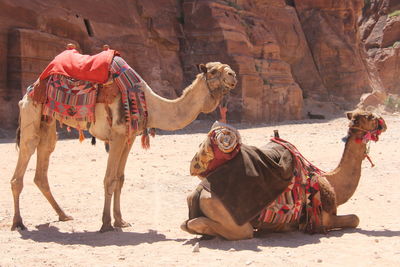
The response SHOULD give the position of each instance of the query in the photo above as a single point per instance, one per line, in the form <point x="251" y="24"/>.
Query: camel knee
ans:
<point x="17" y="185"/>
<point x="110" y="185"/>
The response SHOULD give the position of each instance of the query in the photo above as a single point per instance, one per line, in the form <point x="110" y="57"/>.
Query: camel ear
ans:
<point x="349" y="115"/>
<point x="202" y="68"/>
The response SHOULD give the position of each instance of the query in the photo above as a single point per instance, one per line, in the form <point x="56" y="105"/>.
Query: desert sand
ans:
<point x="154" y="202"/>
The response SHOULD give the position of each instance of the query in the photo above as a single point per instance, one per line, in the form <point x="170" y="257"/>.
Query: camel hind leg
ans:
<point x="111" y="180"/>
<point x="217" y="221"/>
<point x="28" y="139"/>
<point x="48" y="139"/>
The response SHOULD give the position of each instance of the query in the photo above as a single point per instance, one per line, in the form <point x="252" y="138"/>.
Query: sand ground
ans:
<point x="154" y="202"/>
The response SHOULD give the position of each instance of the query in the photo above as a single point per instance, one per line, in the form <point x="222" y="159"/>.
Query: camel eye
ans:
<point x="214" y="71"/>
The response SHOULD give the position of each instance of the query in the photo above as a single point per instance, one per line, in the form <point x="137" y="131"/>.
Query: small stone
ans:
<point x="376" y="241"/>
<point x="249" y="262"/>
<point x="196" y="247"/>
<point x="319" y="260"/>
<point x="232" y="249"/>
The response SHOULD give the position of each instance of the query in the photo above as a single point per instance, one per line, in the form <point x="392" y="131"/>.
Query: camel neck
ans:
<point x="166" y="114"/>
<point x="346" y="176"/>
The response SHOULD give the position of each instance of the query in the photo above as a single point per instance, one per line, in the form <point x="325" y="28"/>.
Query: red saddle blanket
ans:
<point x="72" y="64"/>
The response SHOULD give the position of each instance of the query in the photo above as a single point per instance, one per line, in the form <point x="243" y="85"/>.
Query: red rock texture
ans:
<point x="287" y="54"/>
<point x="380" y="33"/>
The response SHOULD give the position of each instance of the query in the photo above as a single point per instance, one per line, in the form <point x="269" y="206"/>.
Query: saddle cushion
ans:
<point x="72" y="64"/>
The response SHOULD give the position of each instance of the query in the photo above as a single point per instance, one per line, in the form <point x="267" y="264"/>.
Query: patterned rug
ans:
<point x="133" y="98"/>
<point x="70" y="99"/>
<point x="302" y="193"/>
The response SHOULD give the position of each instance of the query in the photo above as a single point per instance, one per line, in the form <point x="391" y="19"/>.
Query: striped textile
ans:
<point x="302" y="197"/>
<point x="71" y="99"/>
<point x="133" y="98"/>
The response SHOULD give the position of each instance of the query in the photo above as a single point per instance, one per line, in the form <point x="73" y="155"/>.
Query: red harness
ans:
<point x="372" y="135"/>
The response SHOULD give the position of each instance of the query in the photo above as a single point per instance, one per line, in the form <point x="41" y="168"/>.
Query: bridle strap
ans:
<point x="220" y="87"/>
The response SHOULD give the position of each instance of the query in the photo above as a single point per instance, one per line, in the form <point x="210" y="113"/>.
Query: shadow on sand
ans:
<point x="285" y="240"/>
<point x="46" y="233"/>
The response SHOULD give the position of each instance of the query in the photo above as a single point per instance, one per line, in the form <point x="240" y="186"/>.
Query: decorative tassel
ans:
<point x="370" y="160"/>
<point x="223" y="110"/>
<point x="69" y="129"/>
<point x="152" y="132"/>
<point x="145" y="140"/>
<point x="81" y="136"/>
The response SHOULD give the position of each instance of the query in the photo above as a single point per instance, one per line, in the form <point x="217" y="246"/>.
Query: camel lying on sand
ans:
<point x="203" y="95"/>
<point x="291" y="194"/>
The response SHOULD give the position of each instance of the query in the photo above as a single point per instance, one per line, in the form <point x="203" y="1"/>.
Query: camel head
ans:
<point x="365" y="125"/>
<point x="219" y="79"/>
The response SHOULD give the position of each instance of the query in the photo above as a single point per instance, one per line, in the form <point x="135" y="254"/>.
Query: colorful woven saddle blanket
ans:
<point x="301" y="200"/>
<point x="71" y="98"/>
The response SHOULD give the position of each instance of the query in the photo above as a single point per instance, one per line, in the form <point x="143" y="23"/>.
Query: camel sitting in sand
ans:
<point x="231" y="207"/>
<point x="203" y="95"/>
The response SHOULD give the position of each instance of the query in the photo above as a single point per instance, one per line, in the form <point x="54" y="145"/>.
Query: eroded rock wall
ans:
<point x="287" y="53"/>
<point x="380" y="33"/>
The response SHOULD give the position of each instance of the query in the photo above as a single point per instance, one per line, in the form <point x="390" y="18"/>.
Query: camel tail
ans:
<point x="18" y="134"/>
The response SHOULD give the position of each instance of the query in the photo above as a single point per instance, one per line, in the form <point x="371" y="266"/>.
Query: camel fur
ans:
<point x="203" y="95"/>
<point x="336" y="187"/>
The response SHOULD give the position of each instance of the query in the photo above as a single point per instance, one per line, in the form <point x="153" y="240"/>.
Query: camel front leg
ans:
<point x="28" y="136"/>
<point x="48" y="139"/>
<point x="118" y="221"/>
<point x="111" y="179"/>
<point x="331" y="221"/>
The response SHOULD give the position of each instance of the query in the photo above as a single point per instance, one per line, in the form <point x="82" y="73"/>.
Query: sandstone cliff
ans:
<point x="291" y="56"/>
<point x="380" y="33"/>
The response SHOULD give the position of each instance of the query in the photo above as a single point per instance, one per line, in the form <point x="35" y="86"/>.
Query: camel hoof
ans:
<point x="108" y="228"/>
<point x="122" y="224"/>
<point x="19" y="226"/>
<point x="65" y="218"/>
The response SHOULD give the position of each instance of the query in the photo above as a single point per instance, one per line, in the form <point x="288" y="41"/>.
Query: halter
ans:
<point x="221" y="88"/>
<point x="372" y="135"/>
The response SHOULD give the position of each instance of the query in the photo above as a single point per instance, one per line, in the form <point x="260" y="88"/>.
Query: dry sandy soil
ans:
<point x="154" y="201"/>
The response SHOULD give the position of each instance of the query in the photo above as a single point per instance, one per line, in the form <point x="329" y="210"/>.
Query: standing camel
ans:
<point x="210" y="216"/>
<point x="203" y="95"/>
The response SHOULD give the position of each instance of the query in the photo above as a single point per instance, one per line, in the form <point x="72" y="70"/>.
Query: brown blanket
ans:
<point x="254" y="178"/>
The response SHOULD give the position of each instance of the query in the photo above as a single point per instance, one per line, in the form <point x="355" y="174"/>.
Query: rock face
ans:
<point x="291" y="56"/>
<point x="380" y="33"/>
